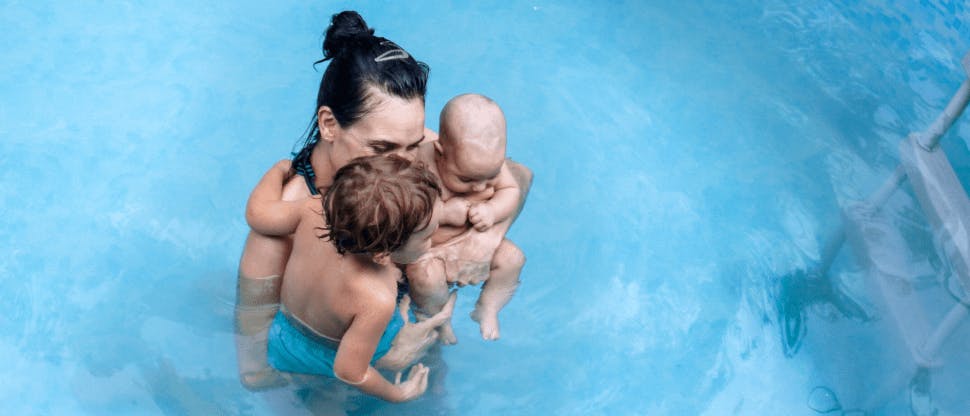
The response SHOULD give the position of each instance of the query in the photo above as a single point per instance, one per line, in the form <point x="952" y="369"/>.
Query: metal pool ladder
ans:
<point x="875" y="242"/>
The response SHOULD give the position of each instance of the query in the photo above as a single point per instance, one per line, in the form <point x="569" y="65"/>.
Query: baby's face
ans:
<point x="420" y="240"/>
<point x="468" y="173"/>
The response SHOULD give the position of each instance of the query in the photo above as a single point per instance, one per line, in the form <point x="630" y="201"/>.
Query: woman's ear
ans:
<point x="327" y="123"/>
<point x="384" y="259"/>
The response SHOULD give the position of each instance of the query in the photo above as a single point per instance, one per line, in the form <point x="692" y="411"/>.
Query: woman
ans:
<point x="370" y="102"/>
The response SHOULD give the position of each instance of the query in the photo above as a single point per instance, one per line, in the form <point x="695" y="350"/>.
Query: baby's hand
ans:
<point x="455" y="211"/>
<point x="481" y="216"/>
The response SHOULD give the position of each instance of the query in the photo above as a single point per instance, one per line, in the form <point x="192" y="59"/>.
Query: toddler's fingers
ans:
<point x="423" y="384"/>
<point x="419" y="376"/>
<point x="416" y="371"/>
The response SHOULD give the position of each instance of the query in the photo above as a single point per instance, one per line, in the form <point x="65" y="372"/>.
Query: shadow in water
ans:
<point x="795" y="292"/>
<point x="823" y="400"/>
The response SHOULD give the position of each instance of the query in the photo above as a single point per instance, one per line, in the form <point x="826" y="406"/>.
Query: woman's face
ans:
<point x="392" y="126"/>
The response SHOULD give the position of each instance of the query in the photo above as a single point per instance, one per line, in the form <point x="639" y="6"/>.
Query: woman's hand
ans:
<point x="411" y="342"/>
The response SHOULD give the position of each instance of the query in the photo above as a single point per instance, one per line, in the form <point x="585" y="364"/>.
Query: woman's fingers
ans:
<point x="444" y="315"/>
<point x="450" y="304"/>
<point x="404" y="307"/>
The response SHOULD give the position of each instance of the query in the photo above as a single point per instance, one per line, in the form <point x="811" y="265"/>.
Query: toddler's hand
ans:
<point x="285" y="166"/>
<point x="455" y="211"/>
<point x="415" y="385"/>
<point x="481" y="216"/>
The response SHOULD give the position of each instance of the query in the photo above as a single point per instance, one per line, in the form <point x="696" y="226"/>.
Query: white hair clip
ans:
<point x="392" y="55"/>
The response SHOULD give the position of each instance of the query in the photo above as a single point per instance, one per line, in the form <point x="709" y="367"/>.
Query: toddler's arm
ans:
<point x="501" y="206"/>
<point x="352" y="362"/>
<point x="266" y="212"/>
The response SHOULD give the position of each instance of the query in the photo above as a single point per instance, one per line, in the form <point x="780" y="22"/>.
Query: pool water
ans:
<point x="690" y="158"/>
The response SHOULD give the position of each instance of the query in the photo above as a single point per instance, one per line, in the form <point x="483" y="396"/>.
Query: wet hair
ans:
<point x="359" y="61"/>
<point x="376" y="203"/>
<point x="355" y="64"/>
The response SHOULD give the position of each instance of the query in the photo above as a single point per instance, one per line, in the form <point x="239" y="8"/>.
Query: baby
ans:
<point x="480" y="191"/>
<point x="339" y="287"/>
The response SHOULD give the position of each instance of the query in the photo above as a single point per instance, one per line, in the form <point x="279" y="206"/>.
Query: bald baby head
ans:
<point x="473" y="130"/>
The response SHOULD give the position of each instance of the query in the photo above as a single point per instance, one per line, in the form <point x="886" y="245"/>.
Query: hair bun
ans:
<point x="346" y="29"/>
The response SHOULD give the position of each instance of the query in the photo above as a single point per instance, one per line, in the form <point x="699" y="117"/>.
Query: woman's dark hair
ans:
<point x="359" y="60"/>
<point x="377" y="202"/>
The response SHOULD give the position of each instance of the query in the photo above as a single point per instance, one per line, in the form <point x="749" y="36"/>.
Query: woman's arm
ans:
<point x="357" y="346"/>
<point x="266" y="212"/>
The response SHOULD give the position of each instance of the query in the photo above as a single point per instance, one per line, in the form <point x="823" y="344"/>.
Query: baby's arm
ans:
<point x="501" y="206"/>
<point x="266" y="212"/>
<point x="357" y="346"/>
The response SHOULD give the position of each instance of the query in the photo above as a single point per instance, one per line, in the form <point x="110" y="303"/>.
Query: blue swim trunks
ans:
<point x="295" y="348"/>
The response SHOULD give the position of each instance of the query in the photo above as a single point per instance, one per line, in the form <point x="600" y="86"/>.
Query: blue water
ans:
<point x="689" y="156"/>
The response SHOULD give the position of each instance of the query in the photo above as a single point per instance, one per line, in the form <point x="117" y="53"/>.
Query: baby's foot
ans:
<point x="487" y="322"/>
<point x="446" y="334"/>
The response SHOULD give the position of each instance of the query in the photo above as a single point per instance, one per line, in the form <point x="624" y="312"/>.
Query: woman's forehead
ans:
<point x="393" y="119"/>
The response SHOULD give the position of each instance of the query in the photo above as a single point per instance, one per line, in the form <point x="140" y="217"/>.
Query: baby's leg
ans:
<point x="429" y="291"/>
<point x="498" y="290"/>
